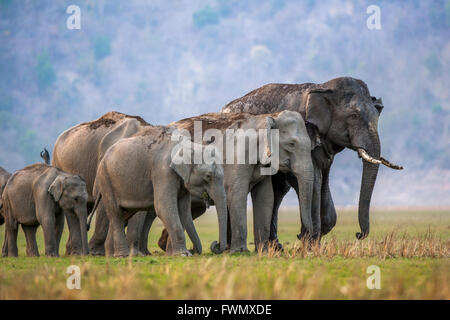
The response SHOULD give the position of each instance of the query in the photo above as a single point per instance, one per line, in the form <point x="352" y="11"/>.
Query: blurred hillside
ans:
<point x="168" y="60"/>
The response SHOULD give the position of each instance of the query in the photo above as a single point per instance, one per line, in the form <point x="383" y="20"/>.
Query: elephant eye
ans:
<point x="354" y="116"/>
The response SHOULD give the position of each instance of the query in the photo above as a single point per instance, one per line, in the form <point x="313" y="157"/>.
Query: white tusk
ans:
<point x="366" y="157"/>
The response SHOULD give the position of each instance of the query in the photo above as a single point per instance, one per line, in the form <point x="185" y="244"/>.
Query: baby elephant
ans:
<point x="42" y="195"/>
<point x="139" y="173"/>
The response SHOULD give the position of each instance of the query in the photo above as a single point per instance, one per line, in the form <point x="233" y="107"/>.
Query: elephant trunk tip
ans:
<point x="215" y="248"/>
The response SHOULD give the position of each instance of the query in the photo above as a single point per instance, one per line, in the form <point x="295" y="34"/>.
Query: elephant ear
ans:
<point x="318" y="109"/>
<point x="56" y="188"/>
<point x="267" y="149"/>
<point x="378" y="103"/>
<point x="182" y="164"/>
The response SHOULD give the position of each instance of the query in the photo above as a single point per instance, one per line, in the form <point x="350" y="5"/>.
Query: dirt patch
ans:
<point x="215" y="120"/>
<point x="111" y="118"/>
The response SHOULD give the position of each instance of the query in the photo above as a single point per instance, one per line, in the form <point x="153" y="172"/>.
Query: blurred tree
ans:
<point x="46" y="75"/>
<point x="205" y="16"/>
<point x="102" y="47"/>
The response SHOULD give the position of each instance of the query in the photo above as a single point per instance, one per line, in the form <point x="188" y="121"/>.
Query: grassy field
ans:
<point x="411" y="248"/>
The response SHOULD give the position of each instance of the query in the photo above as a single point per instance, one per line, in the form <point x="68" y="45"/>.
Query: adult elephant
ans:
<point x="339" y="114"/>
<point x="80" y="149"/>
<point x="293" y="154"/>
<point x="146" y="172"/>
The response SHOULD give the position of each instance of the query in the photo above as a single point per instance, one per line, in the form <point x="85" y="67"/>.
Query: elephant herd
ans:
<point x="128" y="172"/>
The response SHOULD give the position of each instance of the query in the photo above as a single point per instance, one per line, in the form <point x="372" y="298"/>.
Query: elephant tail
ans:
<point x="97" y="201"/>
<point x="45" y="155"/>
<point x="6" y="214"/>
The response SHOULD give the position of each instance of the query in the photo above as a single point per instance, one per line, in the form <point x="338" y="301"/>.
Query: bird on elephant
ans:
<point x="79" y="150"/>
<point x="293" y="155"/>
<point x="145" y="173"/>
<point x="43" y="195"/>
<point x="339" y="114"/>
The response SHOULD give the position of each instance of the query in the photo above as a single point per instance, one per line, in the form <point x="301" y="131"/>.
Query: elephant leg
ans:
<point x="143" y="239"/>
<point x="328" y="215"/>
<point x="280" y="189"/>
<point x="117" y="227"/>
<point x="197" y="211"/>
<point x="184" y="208"/>
<point x="134" y="232"/>
<point x="263" y="200"/>
<point x="48" y="227"/>
<point x="59" y="228"/>
<point x="166" y="206"/>
<point x="73" y="247"/>
<point x="30" y="236"/>
<point x="97" y="242"/>
<point x="315" y="207"/>
<point x="5" y="244"/>
<point x="237" y="203"/>
<point x="11" y="230"/>
<point x="109" y="243"/>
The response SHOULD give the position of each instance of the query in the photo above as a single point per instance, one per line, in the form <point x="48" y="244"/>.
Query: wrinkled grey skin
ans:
<point x="79" y="150"/>
<point x="339" y="114"/>
<point x="4" y="176"/>
<point x="241" y="179"/>
<point x="42" y="195"/>
<point x="138" y="174"/>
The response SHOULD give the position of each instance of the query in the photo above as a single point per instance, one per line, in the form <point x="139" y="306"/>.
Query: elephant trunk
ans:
<point x="82" y="216"/>
<point x="217" y="194"/>
<point x="369" y="176"/>
<point x="305" y="181"/>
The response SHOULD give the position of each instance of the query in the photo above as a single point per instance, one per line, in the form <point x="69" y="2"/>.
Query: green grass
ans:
<point x="411" y="247"/>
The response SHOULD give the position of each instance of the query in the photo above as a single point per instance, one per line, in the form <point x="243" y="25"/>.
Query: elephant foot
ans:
<point x="239" y="249"/>
<point x="311" y="241"/>
<point x="122" y="253"/>
<point x="32" y="252"/>
<point x="276" y="245"/>
<point x="52" y="254"/>
<point x="97" y="250"/>
<point x="136" y="253"/>
<point x="162" y="242"/>
<point x="182" y="253"/>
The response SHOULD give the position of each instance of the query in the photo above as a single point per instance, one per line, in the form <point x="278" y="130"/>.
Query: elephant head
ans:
<point x="71" y="195"/>
<point x="345" y="115"/>
<point x="205" y="181"/>
<point x="294" y="156"/>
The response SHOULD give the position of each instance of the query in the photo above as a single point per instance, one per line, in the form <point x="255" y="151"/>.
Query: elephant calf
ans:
<point x="140" y="173"/>
<point x="42" y="195"/>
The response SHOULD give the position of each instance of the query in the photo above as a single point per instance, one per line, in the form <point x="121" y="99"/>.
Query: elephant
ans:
<point x="78" y="150"/>
<point x="141" y="173"/>
<point x="240" y="179"/>
<point x="4" y="176"/>
<point x="339" y="114"/>
<point x="42" y="195"/>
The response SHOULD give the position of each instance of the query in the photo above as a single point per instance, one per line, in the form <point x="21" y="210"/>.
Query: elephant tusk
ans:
<point x="390" y="165"/>
<point x="363" y="154"/>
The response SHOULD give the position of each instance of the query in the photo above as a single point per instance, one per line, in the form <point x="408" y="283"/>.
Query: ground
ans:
<point x="411" y="248"/>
